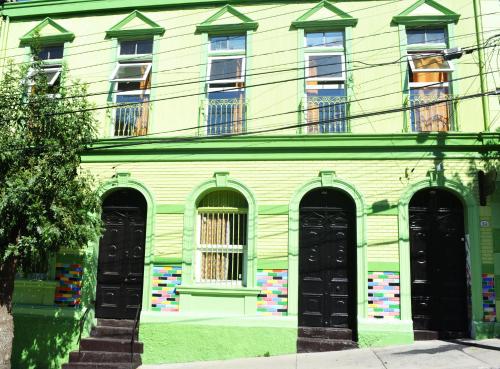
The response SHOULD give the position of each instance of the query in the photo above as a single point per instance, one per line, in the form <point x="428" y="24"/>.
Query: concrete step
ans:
<point x="115" y="323"/>
<point x="101" y="366"/>
<point x="112" y="332"/>
<point x="325" y="333"/>
<point x="102" y="357"/>
<point x="109" y="345"/>
<point x="305" y="345"/>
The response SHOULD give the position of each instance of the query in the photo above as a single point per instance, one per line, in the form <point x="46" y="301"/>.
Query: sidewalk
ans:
<point x="463" y="354"/>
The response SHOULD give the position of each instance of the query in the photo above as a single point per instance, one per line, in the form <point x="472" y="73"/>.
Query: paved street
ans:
<point x="467" y="354"/>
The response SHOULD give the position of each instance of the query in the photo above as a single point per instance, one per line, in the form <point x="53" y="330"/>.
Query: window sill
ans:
<point x="217" y="291"/>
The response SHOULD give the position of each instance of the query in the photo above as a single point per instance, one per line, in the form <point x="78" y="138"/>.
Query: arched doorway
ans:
<point x="438" y="265"/>
<point x="120" y="271"/>
<point x="327" y="263"/>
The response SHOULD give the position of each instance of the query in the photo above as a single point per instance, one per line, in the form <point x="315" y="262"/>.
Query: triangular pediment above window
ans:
<point x="324" y="16"/>
<point x="135" y="24"/>
<point x="227" y="19"/>
<point x="426" y="12"/>
<point x="47" y="32"/>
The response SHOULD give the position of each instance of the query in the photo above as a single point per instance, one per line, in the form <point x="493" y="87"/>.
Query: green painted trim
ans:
<point x="212" y="291"/>
<point x="471" y="221"/>
<point x="327" y="179"/>
<point x="272" y="264"/>
<point x="162" y="260"/>
<point x="154" y="82"/>
<point x="383" y="266"/>
<point x="301" y="89"/>
<point x="32" y="36"/>
<point x="246" y="24"/>
<point x="249" y="110"/>
<point x="403" y="68"/>
<point x="47" y="311"/>
<point x="345" y="19"/>
<point x="488" y="268"/>
<point x="152" y="29"/>
<point x="482" y="67"/>
<point x="124" y="180"/>
<point x="273" y="209"/>
<point x="220" y="180"/>
<point x="349" y="82"/>
<point x="4" y="37"/>
<point x="156" y="317"/>
<point x="294" y="147"/>
<point x="170" y="209"/>
<point x="447" y="16"/>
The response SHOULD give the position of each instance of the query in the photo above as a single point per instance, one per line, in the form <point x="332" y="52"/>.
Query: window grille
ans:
<point x="222" y="239"/>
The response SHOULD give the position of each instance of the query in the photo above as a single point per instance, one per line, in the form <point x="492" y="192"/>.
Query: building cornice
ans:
<point x="294" y="147"/>
<point x="53" y="8"/>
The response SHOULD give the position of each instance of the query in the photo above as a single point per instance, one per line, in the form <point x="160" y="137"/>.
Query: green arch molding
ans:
<point x="327" y="179"/>
<point x="471" y="221"/>
<point x="124" y="180"/>
<point x="219" y="182"/>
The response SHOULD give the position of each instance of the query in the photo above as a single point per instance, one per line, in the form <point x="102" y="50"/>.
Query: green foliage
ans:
<point x="46" y="201"/>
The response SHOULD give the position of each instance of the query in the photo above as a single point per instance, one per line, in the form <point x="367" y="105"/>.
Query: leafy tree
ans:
<point x="46" y="201"/>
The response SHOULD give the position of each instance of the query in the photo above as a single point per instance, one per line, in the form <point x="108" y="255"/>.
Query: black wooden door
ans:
<point x="121" y="262"/>
<point x="438" y="264"/>
<point x="327" y="261"/>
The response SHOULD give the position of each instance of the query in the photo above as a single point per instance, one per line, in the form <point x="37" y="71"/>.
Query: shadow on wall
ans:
<point x="43" y="342"/>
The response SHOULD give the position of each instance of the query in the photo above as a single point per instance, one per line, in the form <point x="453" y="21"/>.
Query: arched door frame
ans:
<point x="327" y="180"/>
<point x="220" y="181"/>
<point x="471" y="224"/>
<point x="123" y="180"/>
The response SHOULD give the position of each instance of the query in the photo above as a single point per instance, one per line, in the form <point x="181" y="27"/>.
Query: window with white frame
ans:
<point x="429" y="76"/>
<point x="131" y="79"/>
<point x="325" y="82"/>
<point x="225" y="86"/>
<point x="222" y="239"/>
<point x="50" y="57"/>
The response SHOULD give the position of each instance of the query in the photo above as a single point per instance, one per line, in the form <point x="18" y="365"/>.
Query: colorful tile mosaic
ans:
<point x="68" y="292"/>
<point x="489" y="308"/>
<point x="383" y="295"/>
<point x="164" y="295"/>
<point x="273" y="297"/>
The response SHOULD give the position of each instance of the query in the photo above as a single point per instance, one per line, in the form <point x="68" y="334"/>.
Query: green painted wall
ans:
<point x="44" y="337"/>
<point x="174" y="342"/>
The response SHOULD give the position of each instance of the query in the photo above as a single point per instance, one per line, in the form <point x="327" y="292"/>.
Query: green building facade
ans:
<point x="280" y="164"/>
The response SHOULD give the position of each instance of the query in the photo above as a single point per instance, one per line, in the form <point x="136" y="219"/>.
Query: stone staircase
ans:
<point x="108" y="347"/>
<point x="312" y="339"/>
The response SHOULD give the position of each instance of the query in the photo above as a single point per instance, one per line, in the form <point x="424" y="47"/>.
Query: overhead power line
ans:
<point x="290" y="126"/>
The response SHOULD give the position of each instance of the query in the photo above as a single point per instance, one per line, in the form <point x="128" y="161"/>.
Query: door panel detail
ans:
<point x="327" y="260"/>
<point x="121" y="258"/>
<point x="438" y="264"/>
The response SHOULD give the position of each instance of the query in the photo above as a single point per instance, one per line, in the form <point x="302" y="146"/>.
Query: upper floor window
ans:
<point x="54" y="52"/>
<point x="325" y="82"/>
<point x="422" y="36"/>
<point x="324" y="39"/>
<point x="228" y="43"/>
<point x="131" y="81"/>
<point x="136" y="47"/>
<point x="51" y="65"/>
<point x="225" y="108"/>
<point x="429" y="76"/>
